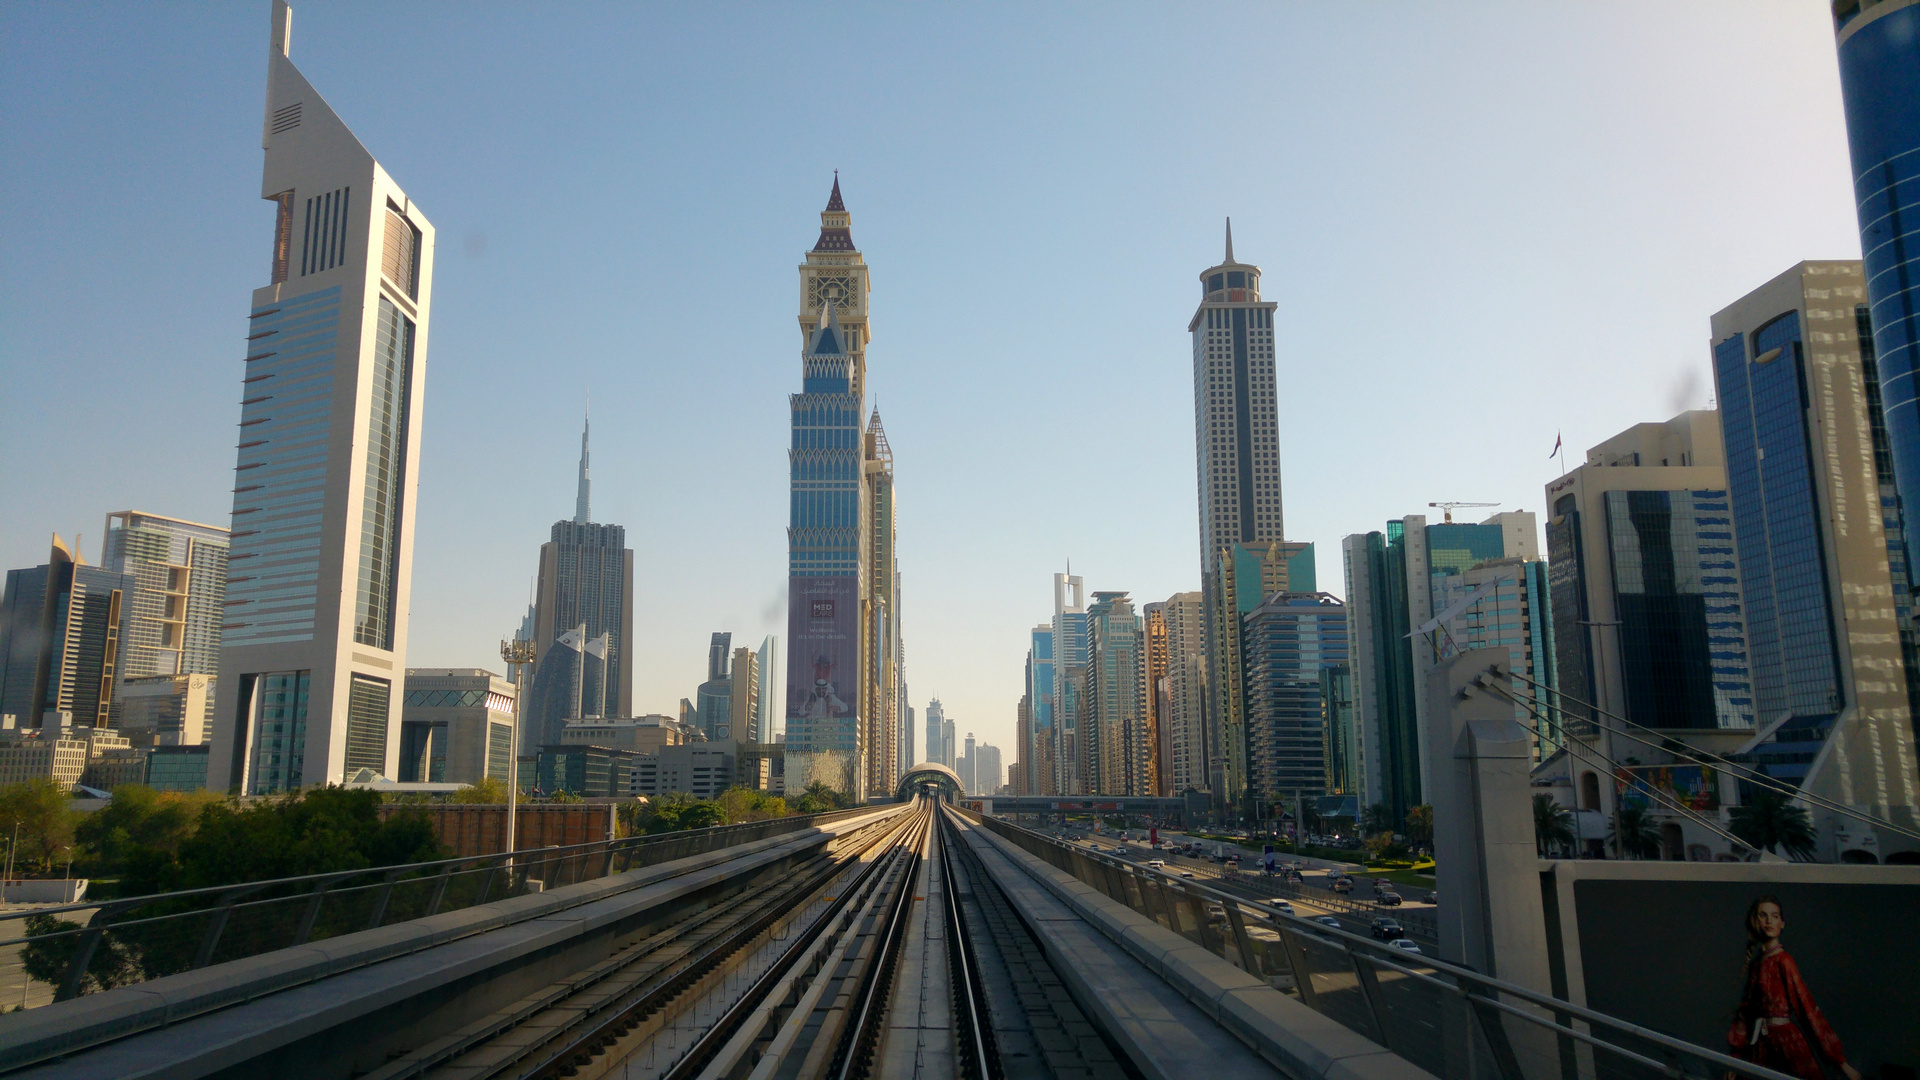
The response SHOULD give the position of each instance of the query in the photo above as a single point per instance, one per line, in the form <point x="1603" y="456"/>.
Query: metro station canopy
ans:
<point x="931" y="772"/>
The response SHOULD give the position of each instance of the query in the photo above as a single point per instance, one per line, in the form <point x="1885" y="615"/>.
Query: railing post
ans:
<point x="486" y="883"/>
<point x="1242" y="942"/>
<point x="312" y="914"/>
<point x="1302" y="973"/>
<point x="1370" y="993"/>
<point x="89" y="943"/>
<point x="1494" y="1032"/>
<point x="211" y="939"/>
<point x="380" y="902"/>
<point x="440" y="890"/>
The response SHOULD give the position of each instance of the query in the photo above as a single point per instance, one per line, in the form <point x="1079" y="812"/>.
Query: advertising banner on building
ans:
<point x="1658" y="787"/>
<point x="823" y="627"/>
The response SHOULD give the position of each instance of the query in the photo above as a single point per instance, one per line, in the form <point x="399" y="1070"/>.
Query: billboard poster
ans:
<point x="823" y="626"/>
<point x="1800" y="976"/>
<point x="1696" y="787"/>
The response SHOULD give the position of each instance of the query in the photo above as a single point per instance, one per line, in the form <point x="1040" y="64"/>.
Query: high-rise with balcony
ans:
<point x="1829" y="631"/>
<point x="331" y="394"/>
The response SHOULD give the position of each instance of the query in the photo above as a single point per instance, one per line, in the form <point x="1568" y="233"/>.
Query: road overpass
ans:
<point x="916" y="939"/>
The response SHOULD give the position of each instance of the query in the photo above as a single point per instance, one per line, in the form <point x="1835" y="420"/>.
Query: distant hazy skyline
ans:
<point x="1484" y="224"/>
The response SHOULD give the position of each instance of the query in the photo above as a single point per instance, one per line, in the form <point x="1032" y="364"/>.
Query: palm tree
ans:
<point x="1633" y="833"/>
<point x="1768" y="821"/>
<point x="1376" y="819"/>
<point x="1420" y="824"/>
<point x="1552" y="826"/>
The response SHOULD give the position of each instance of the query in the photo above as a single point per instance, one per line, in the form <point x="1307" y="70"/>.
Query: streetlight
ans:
<point x="518" y="654"/>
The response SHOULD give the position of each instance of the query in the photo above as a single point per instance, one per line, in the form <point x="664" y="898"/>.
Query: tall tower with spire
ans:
<point x="1243" y="556"/>
<point x="585" y="581"/>
<point x="832" y="676"/>
<point x="880" y="715"/>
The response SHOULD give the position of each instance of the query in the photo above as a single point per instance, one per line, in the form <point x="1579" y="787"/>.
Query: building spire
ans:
<point x="1229" y="240"/>
<point x="581" y="510"/>
<point x="834" y="205"/>
<point x="835" y="223"/>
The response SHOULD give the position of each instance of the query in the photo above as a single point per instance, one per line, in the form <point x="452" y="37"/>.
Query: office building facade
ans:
<point x="165" y="710"/>
<point x="1157" y="700"/>
<point x="61" y="629"/>
<point x="1827" y="629"/>
<point x="1112" y="754"/>
<point x="1418" y="594"/>
<point x="456" y="726"/>
<point x="937" y="733"/>
<point x="1069" y="681"/>
<point x="320" y="562"/>
<point x="714" y="699"/>
<point x="1291" y="641"/>
<point x="880" y="617"/>
<point x="179" y="571"/>
<point x="1038" y="737"/>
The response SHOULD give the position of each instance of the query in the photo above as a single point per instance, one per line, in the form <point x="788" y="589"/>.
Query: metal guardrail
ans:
<point x="1441" y="1017"/>
<point x="130" y="940"/>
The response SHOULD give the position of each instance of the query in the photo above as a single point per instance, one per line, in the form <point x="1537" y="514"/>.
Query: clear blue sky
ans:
<point x="1483" y="223"/>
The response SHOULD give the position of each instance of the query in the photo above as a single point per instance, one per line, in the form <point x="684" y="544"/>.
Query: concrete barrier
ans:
<point x="43" y="891"/>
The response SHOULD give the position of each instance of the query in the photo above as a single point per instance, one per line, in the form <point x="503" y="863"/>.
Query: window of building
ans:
<point x="367" y="701"/>
<point x="385" y="478"/>
<point x="400" y="253"/>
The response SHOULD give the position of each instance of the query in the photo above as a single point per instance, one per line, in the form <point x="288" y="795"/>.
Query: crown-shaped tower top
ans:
<point x="836" y="225"/>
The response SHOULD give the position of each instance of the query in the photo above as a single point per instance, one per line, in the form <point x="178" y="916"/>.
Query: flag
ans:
<point x="1556" y="447"/>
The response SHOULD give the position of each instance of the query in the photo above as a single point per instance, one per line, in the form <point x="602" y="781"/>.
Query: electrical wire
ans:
<point x="1606" y="760"/>
<point x="1701" y="757"/>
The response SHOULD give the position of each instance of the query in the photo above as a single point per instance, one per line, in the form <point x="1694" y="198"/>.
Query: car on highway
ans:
<point x="1405" y="946"/>
<point x="1157" y="864"/>
<point x="1278" y="904"/>
<point x="1186" y="873"/>
<point x="1342" y="885"/>
<point x="1328" y="920"/>
<point x="1387" y="930"/>
<point x="1387" y="898"/>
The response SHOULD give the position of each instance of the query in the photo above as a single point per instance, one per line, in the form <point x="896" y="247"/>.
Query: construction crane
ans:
<point x="1449" y="507"/>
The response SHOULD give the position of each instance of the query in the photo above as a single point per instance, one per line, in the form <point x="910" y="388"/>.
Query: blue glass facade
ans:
<point x="1677" y="597"/>
<point x="1879" y="53"/>
<point x="1792" y="646"/>
<point x="273" y="567"/>
<point x="1289" y="642"/>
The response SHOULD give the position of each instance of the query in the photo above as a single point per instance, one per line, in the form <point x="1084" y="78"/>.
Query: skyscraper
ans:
<point x="1879" y="50"/>
<point x="1237" y="457"/>
<point x="179" y="571"/>
<point x="321" y="557"/>
<point x="1292" y="640"/>
<point x="1185" y="764"/>
<point x="1157" y="696"/>
<point x="936" y="733"/>
<point x="1069" y="679"/>
<point x="745" y="696"/>
<point x="62" y="630"/>
<point x="586" y="579"/>
<point x="1039" y="737"/>
<point x="770" y="699"/>
<point x="1111" y="755"/>
<point x="1418" y="594"/>
<point x="967" y="768"/>
<point x="1825" y="624"/>
<point x="714" y="699"/>
<point x="828" y="592"/>
<point x="1646" y="617"/>
<point x="1243" y="577"/>
<point x="880" y="617"/>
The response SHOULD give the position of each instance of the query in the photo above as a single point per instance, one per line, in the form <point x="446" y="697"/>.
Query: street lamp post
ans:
<point x="518" y="654"/>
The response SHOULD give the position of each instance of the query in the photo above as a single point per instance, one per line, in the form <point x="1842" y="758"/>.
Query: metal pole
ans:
<point x="518" y="654"/>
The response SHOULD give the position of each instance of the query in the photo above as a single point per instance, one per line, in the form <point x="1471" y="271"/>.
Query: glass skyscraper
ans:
<point x="585" y="581"/>
<point x="1292" y="640"/>
<point x="1879" y="48"/>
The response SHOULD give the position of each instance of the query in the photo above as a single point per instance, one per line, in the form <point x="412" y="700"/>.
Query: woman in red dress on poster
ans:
<point x="1777" y="1024"/>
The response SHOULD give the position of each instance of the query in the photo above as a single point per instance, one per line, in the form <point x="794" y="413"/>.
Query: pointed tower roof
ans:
<point x="877" y="439"/>
<point x="829" y="339"/>
<point x="836" y="232"/>
<point x="582" y="511"/>
<point x="1229" y="258"/>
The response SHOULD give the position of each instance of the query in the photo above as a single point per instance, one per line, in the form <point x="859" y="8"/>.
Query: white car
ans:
<point x="1186" y="873"/>
<point x="1157" y="864"/>
<point x="1278" y="904"/>
<point x="1405" y="946"/>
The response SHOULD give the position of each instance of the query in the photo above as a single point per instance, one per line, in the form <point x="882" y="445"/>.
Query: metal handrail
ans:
<point x="1379" y="953"/>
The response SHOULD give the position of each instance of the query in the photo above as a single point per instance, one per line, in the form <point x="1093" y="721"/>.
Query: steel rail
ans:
<point x="861" y="1040"/>
<point x="967" y="986"/>
<point x="564" y="1048"/>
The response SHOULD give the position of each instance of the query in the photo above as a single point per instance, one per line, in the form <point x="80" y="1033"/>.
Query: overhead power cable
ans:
<point x="1698" y="756"/>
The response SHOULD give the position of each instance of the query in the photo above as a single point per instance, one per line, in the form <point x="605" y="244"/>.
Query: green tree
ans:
<point x="1552" y="826"/>
<point x="1769" y="821"/>
<point x="819" y="798"/>
<point x="312" y="832"/>
<point x="744" y="804"/>
<point x="43" y="812"/>
<point x="1633" y="833"/>
<point x="1376" y="819"/>
<point x="490" y="789"/>
<point x="1420" y="824"/>
<point x="139" y="825"/>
